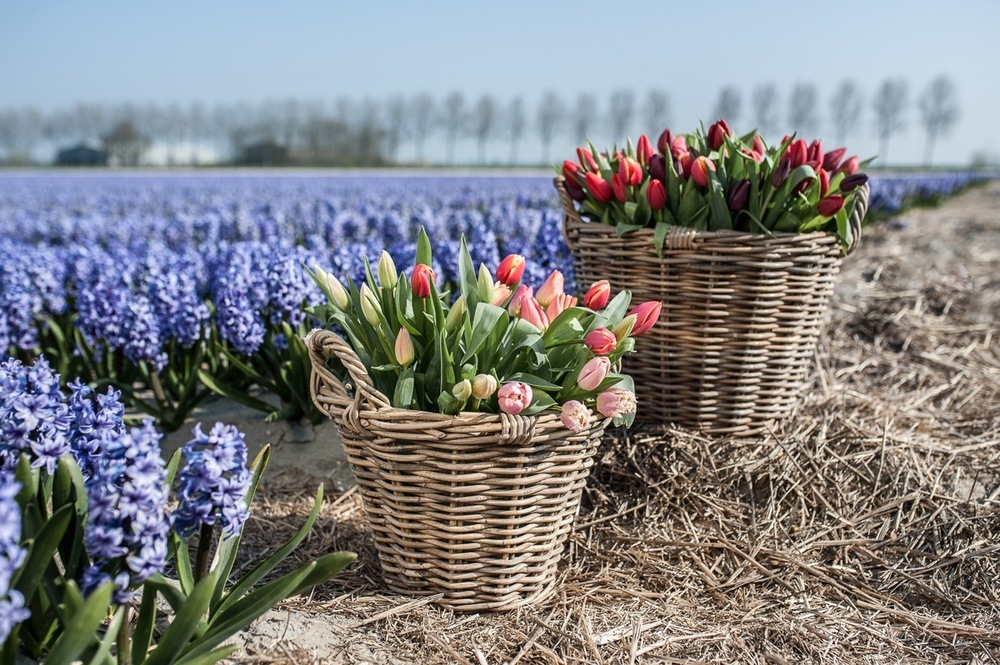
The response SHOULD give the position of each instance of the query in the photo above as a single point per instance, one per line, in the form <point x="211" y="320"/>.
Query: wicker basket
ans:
<point x="741" y="316"/>
<point x="477" y="507"/>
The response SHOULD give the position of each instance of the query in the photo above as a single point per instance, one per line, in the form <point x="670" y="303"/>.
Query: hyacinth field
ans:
<point x="172" y="287"/>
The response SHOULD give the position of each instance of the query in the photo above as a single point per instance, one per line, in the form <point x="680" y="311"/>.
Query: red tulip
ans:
<point x="571" y="170"/>
<point x="656" y="194"/>
<point x="644" y="149"/>
<point x="738" y="195"/>
<point x="665" y="141"/>
<point x="421" y="280"/>
<point x="797" y="153"/>
<point x="824" y="182"/>
<point x="646" y="316"/>
<point x="853" y="181"/>
<point x="683" y="164"/>
<point x="510" y="269"/>
<point x="599" y="187"/>
<point x="618" y="187"/>
<point x="700" y="169"/>
<point x="630" y="171"/>
<point x="598" y="295"/>
<point x="717" y="134"/>
<point x="830" y="205"/>
<point x="587" y="159"/>
<point x="850" y="167"/>
<point x="815" y="153"/>
<point x="601" y="341"/>
<point x="831" y="160"/>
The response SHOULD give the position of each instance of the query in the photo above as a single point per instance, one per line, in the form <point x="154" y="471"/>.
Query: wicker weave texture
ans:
<point x="741" y="316"/>
<point x="476" y="507"/>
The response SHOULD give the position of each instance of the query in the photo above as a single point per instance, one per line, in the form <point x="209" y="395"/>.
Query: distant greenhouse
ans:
<point x="81" y="155"/>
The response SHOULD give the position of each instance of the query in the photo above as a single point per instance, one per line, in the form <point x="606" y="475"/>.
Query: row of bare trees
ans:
<point x="372" y="131"/>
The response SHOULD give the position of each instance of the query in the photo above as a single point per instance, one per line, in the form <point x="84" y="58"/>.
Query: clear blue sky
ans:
<point x="57" y="53"/>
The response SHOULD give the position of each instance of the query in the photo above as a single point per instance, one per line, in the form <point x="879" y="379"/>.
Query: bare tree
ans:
<point x="421" y="121"/>
<point x="621" y="109"/>
<point x="765" y="108"/>
<point x="454" y="120"/>
<point x="483" y="123"/>
<point x="395" y="124"/>
<point x="729" y="105"/>
<point x="516" y="122"/>
<point x="550" y="116"/>
<point x="656" y="112"/>
<point x="845" y="109"/>
<point x="584" y="115"/>
<point x="889" y="104"/>
<point x="124" y="144"/>
<point x="802" y="108"/>
<point x="938" y="111"/>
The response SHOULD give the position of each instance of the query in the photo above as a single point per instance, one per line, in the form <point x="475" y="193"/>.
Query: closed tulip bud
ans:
<point x="404" y="347"/>
<point x="780" y="174"/>
<point x="658" y="167"/>
<point x="644" y="149"/>
<point x="485" y="283"/>
<point x="514" y="397"/>
<point x="717" y="134"/>
<point x="797" y="153"/>
<point x="678" y="146"/>
<point x="683" y="164"/>
<point x="335" y="290"/>
<point x="575" y="416"/>
<point x="616" y="402"/>
<point x="455" y="315"/>
<point x="759" y="149"/>
<point x="824" y="182"/>
<point x="699" y="170"/>
<point x="483" y="386"/>
<point x="533" y="313"/>
<point x="630" y="171"/>
<point x="601" y="341"/>
<point x="656" y="195"/>
<point x="369" y="305"/>
<point x="511" y="269"/>
<point x="831" y="160"/>
<point x="523" y="291"/>
<point x="829" y="206"/>
<point x="849" y="167"/>
<point x="665" y="141"/>
<point x="738" y="196"/>
<point x="624" y="327"/>
<point x="646" y="316"/>
<point x="598" y="295"/>
<point x="618" y="187"/>
<point x="501" y="292"/>
<point x="421" y="280"/>
<point x="853" y="181"/>
<point x="593" y="373"/>
<point x="559" y="303"/>
<point x="814" y="154"/>
<point x="462" y="390"/>
<point x="570" y="170"/>
<point x="550" y="288"/>
<point x="587" y="160"/>
<point x="599" y="188"/>
<point x="574" y="190"/>
<point x="387" y="275"/>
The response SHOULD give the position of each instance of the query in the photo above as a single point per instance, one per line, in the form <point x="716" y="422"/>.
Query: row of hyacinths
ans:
<point x="128" y="520"/>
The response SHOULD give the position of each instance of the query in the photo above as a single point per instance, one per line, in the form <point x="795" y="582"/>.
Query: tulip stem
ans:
<point x="204" y="549"/>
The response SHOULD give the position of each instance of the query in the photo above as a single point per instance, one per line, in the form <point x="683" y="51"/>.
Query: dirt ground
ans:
<point x="865" y="529"/>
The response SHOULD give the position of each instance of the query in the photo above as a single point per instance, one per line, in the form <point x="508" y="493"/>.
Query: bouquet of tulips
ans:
<point x="715" y="181"/>
<point x="497" y="345"/>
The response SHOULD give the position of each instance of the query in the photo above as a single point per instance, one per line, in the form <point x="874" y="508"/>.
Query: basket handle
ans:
<point x="569" y="210"/>
<point x="857" y="217"/>
<point x="321" y="345"/>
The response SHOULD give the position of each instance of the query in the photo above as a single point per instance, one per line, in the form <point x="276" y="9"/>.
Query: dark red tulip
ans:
<point x="658" y="167"/>
<point x="824" y="182"/>
<point x="829" y="206"/>
<point x="815" y="152"/>
<point x="849" y="167"/>
<point x="717" y="134"/>
<point x="738" y="195"/>
<point x="629" y="170"/>
<point x="574" y="190"/>
<point x="656" y="194"/>
<point x="665" y="141"/>
<point x="644" y="150"/>
<point x="831" y="160"/>
<point x="853" y="181"/>
<point x="571" y="170"/>
<point x="700" y="169"/>
<point x="619" y="188"/>
<point x="797" y="153"/>
<point x="587" y="160"/>
<point x="780" y="174"/>
<point x="599" y="188"/>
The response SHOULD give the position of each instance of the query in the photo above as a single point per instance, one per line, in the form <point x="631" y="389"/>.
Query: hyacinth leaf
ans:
<point x="424" y="254"/>
<point x="174" y="596"/>
<point x="68" y="489"/>
<point x="211" y="657"/>
<point x="180" y="631"/>
<point x="231" y="393"/>
<point x="270" y="563"/>
<point x="142" y="633"/>
<point x="171" y="471"/>
<point x="41" y="552"/>
<point x="185" y="575"/>
<point x="81" y="628"/>
<point x="101" y="655"/>
<point x="326" y="568"/>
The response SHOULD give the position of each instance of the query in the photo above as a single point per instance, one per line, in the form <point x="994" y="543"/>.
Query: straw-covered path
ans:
<point x="864" y="530"/>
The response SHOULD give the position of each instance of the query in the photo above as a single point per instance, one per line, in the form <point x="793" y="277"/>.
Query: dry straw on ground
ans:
<point x="866" y="529"/>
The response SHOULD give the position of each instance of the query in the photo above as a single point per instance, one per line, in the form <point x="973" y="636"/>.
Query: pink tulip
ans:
<point x="797" y="153"/>
<point x="403" y="347"/>
<point x="759" y="149"/>
<point x="646" y="315"/>
<point x="597" y="297"/>
<point x="500" y="294"/>
<point x="514" y="397"/>
<point x="510" y="269"/>
<point x="523" y="291"/>
<point x="421" y="280"/>
<point x="575" y="416"/>
<point x="601" y="341"/>
<point x="850" y="166"/>
<point x="551" y="287"/>
<point x="616" y="402"/>
<point x="599" y="187"/>
<point x="593" y="373"/>
<point x="533" y="313"/>
<point x="559" y="303"/>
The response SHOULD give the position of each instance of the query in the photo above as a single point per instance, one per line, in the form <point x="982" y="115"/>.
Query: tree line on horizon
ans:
<point x="350" y="132"/>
